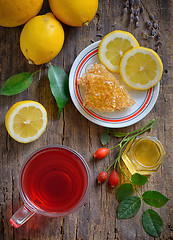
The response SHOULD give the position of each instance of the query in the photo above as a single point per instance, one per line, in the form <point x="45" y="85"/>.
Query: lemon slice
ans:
<point x="141" y="68"/>
<point x="26" y="121"/>
<point x="113" y="46"/>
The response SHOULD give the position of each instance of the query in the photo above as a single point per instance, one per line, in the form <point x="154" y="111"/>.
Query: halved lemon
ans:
<point x="141" y="68"/>
<point x="113" y="46"/>
<point x="26" y="121"/>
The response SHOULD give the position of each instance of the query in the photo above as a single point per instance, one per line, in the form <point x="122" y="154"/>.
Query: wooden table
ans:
<point x="97" y="220"/>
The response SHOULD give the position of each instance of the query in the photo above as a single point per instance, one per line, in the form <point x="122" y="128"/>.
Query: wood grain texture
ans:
<point x="97" y="220"/>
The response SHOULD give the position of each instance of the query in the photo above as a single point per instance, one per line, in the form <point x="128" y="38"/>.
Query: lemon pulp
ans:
<point x="26" y="121"/>
<point x="141" y="68"/>
<point x="116" y="49"/>
<point x="112" y="48"/>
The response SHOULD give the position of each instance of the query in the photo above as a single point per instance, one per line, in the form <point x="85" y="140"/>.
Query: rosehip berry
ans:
<point x="102" y="177"/>
<point x="101" y="153"/>
<point x="114" y="179"/>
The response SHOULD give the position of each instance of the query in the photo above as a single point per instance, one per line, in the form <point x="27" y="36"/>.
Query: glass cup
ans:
<point x="54" y="181"/>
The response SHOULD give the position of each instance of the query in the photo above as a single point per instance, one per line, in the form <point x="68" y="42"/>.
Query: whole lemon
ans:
<point x="42" y="38"/>
<point x="17" y="12"/>
<point x="75" y="13"/>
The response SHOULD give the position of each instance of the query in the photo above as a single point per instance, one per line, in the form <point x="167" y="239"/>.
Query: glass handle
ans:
<point x="21" y="216"/>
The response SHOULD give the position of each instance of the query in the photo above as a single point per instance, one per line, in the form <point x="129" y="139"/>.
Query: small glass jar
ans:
<point x="143" y="155"/>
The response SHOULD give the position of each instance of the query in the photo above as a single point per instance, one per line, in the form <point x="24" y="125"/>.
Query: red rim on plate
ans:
<point x="145" y="100"/>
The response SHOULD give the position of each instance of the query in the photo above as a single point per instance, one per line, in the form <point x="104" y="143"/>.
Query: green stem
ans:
<point x="152" y="122"/>
<point x="130" y="138"/>
<point x="36" y="72"/>
<point x="115" y="146"/>
<point x="110" y="166"/>
<point x="142" y="130"/>
<point x="115" y="163"/>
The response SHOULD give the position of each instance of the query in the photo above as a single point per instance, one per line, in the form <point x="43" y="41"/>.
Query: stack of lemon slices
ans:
<point x="140" y="68"/>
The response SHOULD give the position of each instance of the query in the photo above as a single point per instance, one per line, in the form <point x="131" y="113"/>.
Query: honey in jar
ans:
<point x="143" y="155"/>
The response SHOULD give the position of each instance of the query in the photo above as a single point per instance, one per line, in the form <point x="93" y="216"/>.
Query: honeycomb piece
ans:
<point x="123" y="99"/>
<point x="103" y="91"/>
<point x="100" y="93"/>
<point x="97" y="69"/>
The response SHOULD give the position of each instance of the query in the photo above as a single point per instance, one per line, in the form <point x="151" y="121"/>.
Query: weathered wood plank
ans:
<point x="97" y="219"/>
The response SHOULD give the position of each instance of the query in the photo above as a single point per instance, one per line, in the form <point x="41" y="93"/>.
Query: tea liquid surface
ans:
<point x="55" y="180"/>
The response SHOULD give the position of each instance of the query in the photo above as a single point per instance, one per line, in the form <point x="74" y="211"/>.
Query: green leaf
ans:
<point x="129" y="207"/>
<point x="138" y="179"/>
<point x="119" y="134"/>
<point x="152" y="223"/>
<point x="16" y="84"/>
<point x="124" y="191"/>
<point x="105" y="138"/>
<point x="59" y="86"/>
<point x="154" y="199"/>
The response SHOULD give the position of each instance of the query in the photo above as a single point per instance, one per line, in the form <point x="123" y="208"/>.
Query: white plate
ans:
<point x="145" y="100"/>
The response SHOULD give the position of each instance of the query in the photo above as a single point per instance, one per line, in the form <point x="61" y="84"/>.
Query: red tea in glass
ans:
<point x="54" y="182"/>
